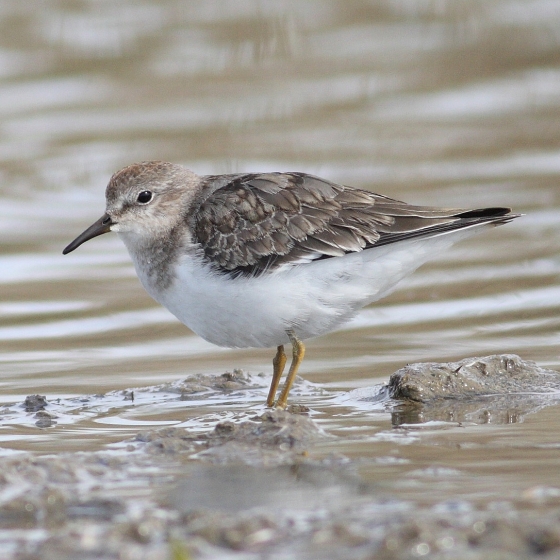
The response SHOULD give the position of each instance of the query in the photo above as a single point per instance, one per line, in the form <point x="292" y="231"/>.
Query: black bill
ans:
<point x="103" y="225"/>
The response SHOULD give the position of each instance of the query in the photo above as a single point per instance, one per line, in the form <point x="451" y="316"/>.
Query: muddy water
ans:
<point x="439" y="103"/>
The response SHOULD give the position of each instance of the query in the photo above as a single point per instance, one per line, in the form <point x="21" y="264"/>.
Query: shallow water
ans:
<point x="437" y="103"/>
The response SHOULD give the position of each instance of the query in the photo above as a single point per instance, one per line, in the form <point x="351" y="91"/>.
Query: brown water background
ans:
<point x="449" y="103"/>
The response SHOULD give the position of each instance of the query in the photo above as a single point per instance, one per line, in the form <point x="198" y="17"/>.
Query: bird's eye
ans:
<point x="144" y="197"/>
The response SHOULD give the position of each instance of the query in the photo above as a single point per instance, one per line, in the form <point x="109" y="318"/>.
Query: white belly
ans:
<point x="311" y="299"/>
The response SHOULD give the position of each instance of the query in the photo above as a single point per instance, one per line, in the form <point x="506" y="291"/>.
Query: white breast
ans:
<point x="311" y="299"/>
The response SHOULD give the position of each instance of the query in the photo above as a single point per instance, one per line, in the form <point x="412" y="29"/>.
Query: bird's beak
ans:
<point x="103" y="225"/>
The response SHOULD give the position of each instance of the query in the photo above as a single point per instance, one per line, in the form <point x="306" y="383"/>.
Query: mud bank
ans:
<point x="270" y="485"/>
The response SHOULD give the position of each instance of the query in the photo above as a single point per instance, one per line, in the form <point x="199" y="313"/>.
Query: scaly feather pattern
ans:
<point x="256" y="223"/>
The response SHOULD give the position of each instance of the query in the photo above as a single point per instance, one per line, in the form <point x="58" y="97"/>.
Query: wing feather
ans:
<point x="256" y="223"/>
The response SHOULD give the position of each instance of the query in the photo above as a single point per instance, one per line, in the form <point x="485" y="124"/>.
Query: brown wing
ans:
<point x="259" y="222"/>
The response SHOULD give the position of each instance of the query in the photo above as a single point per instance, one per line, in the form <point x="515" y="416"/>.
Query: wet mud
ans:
<point x="272" y="438"/>
<point x="259" y="488"/>
<point x="497" y="389"/>
<point x="472" y="377"/>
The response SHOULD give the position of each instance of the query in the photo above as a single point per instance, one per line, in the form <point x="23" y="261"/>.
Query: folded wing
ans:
<point x="257" y="223"/>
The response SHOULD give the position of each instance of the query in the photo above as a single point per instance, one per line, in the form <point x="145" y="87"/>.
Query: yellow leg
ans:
<point x="278" y="365"/>
<point x="298" y="350"/>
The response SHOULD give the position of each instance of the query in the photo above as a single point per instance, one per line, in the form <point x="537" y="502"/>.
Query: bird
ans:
<point x="260" y="260"/>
